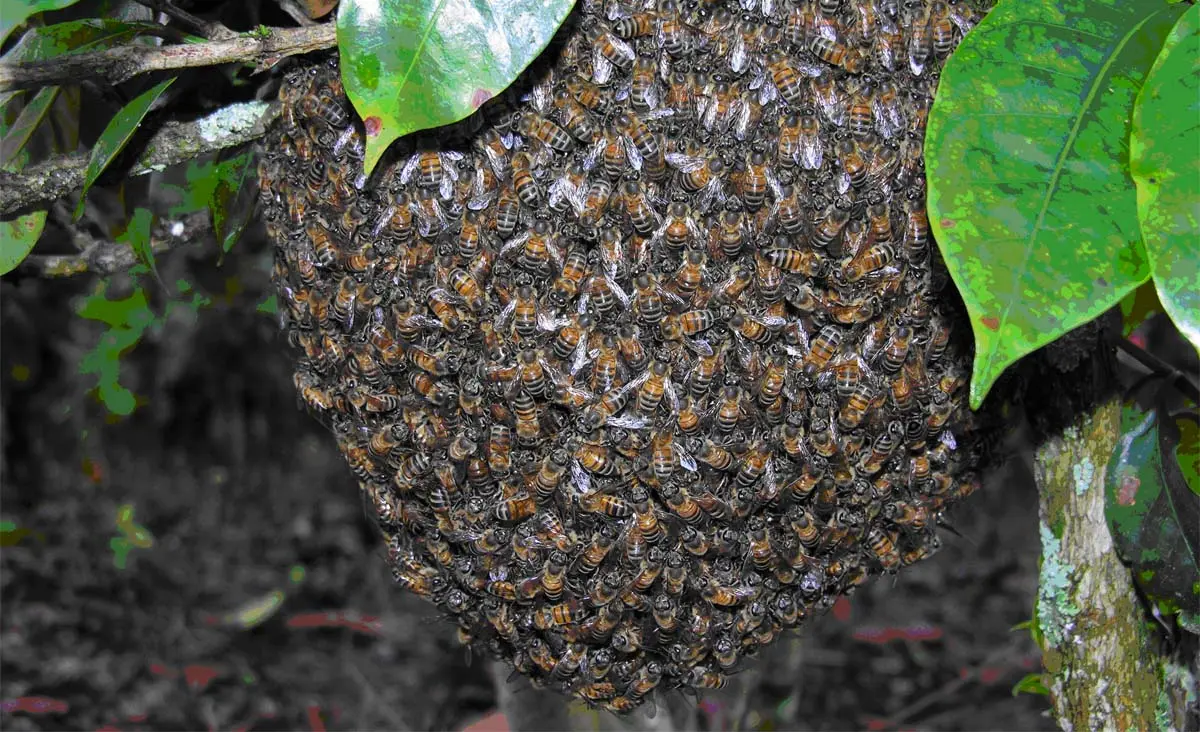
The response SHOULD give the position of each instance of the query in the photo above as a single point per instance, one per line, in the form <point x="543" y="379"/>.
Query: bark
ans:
<point x="176" y="142"/>
<point x="1101" y="659"/>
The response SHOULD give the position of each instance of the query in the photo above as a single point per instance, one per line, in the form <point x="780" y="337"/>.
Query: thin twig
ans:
<point x="212" y="31"/>
<point x="107" y="257"/>
<point x="115" y="65"/>
<point x="1160" y="367"/>
<point x="175" y="143"/>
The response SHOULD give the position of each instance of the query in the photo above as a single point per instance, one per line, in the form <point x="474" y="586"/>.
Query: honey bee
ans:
<point x="607" y="589"/>
<point x="637" y="207"/>
<point x="596" y="459"/>
<point x="830" y="49"/>
<point x="650" y="393"/>
<point x="595" y="203"/>
<point x="644" y="93"/>
<point x="544" y="131"/>
<point x="466" y="286"/>
<point x="728" y="235"/>
<point x="917" y="24"/>
<point x="569" y="663"/>
<point x="550" y="617"/>
<point x="916" y="233"/>
<point x="854" y="166"/>
<point x="664" y="611"/>
<point x="527" y="189"/>
<point x="508" y="209"/>
<point x="609" y="51"/>
<point x="499" y="450"/>
<point x="630" y="346"/>
<point x="722" y="596"/>
<point x="689" y="275"/>
<point x="576" y="118"/>
<point x="786" y="77"/>
<point x="855" y="410"/>
<point x="694" y="541"/>
<point x="869" y="262"/>
<point x="942" y="31"/>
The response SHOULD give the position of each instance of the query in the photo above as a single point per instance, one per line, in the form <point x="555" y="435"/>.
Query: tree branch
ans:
<point x="115" y="65"/>
<point x="212" y="31"/>
<point x="176" y="142"/>
<point x="107" y="257"/>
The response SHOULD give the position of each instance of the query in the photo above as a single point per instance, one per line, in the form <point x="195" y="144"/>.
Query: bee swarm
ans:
<point x="652" y="358"/>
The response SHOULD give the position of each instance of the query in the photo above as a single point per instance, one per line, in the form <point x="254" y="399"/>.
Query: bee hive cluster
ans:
<point x="650" y="359"/>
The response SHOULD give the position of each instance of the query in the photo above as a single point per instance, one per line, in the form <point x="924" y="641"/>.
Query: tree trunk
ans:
<point x="1101" y="659"/>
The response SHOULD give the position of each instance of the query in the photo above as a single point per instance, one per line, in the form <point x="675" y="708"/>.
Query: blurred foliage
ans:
<point x="1153" y="505"/>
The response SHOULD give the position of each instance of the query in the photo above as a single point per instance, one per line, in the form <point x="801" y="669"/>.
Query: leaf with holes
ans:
<point x="16" y="12"/>
<point x="1029" y="191"/>
<point x="1151" y="508"/>
<point x="1164" y="153"/>
<point x="410" y="65"/>
<point x="112" y="141"/>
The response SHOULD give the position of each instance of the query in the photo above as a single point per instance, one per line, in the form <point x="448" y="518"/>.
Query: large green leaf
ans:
<point x="19" y="234"/>
<point x="1151" y="508"/>
<point x="16" y="12"/>
<point x="414" y="64"/>
<point x="74" y="36"/>
<point x="116" y="135"/>
<point x="1029" y="192"/>
<point x="1164" y="153"/>
<point x="17" y="237"/>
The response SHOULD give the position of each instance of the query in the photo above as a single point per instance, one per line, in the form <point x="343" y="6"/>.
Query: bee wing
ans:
<point x="580" y="357"/>
<point x="628" y="421"/>
<point x="547" y="322"/>
<point x="409" y="166"/>
<point x="741" y="120"/>
<point x="631" y="152"/>
<point x="482" y="201"/>
<point x="711" y="193"/>
<point x="446" y="187"/>
<point x="947" y="438"/>
<point x="700" y="346"/>
<point x="768" y="8"/>
<point x="668" y="295"/>
<point x="843" y="183"/>
<point x="686" y="460"/>
<point x="594" y="155"/>
<point x="810" y="153"/>
<point x="504" y="314"/>
<point x="672" y="396"/>
<point x="617" y="290"/>
<point x="578" y="199"/>
<point x="710" y="114"/>
<point x="581" y="482"/>
<point x="738" y="56"/>
<point x="771" y="321"/>
<point x="582" y="306"/>
<point x="602" y="68"/>
<point x="342" y="140"/>
<point x="622" y="47"/>
<point x="685" y="163"/>
<point x="513" y="243"/>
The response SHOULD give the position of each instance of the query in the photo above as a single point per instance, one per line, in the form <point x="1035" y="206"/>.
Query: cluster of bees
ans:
<point x="652" y="358"/>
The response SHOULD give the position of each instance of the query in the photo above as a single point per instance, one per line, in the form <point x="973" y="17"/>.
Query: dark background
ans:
<point x="246" y="501"/>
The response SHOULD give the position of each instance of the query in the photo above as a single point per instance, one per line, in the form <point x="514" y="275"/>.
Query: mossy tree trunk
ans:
<point x="1101" y="658"/>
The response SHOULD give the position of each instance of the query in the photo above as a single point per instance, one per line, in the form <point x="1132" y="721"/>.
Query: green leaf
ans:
<point x="1029" y="193"/>
<point x="1152" y="514"/>
<point x="1164" y="153"/>
<point x="410" y="65"/>
<point x="75" y="36"/>
<point x="116" y="135"/>
<point x="137" y="236"/>
<point x="31" y="116"/>
<point x="16" y="12"/>
<point x="1031" y="684"/>
<point x="17" y="238"/>
<point x="233" y="196"/>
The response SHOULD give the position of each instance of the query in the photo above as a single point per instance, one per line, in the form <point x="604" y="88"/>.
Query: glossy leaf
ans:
<point x="1152" y="512"/>
<point x="1029" y="193"/>
<point x="74" y="36"/>
<point x="116" y="135"/>
<point x="16" y="12"/>
<point x="31" y="116"/>
<point x="1164" y="153"/>
<point x="410" y="65"/>
<point x="233" y="196"/>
